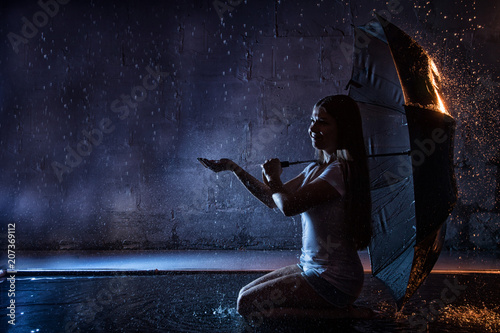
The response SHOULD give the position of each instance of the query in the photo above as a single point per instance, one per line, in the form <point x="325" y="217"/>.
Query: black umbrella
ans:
<point x="409" y="138"/>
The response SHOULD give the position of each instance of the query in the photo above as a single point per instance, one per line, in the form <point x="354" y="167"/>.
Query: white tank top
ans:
<point x="325" y="246"/>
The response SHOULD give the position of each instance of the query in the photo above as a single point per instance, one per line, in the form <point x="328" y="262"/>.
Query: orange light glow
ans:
<point x="435" y="78"/>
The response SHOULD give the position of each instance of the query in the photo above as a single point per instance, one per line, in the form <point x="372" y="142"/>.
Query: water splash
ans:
<point x="222" y="312"/>
<point x="475" y="318"/>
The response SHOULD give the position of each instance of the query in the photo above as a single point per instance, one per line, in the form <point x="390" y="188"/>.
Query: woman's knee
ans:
<point x="261" y="301"/>
<point x="243" y="304"/>
<point x="249" y="305"/>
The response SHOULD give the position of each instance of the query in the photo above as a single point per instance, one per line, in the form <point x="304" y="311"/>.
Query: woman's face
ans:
<point x="323" y="130"/>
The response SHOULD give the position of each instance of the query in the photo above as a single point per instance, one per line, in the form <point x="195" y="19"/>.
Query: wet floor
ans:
<point x="205" y="302"/>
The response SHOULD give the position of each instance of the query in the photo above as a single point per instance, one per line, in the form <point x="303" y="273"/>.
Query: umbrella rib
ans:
<point x="393" y="258"/>
<point x="385" y="107"/>
<point x="381" y="174"/>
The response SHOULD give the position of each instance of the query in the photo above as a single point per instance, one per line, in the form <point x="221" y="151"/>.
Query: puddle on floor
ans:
<point x="206" y="302"/>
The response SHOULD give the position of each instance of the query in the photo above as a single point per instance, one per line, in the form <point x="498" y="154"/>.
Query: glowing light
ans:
<point x="435" y="78"/>
<point x="480" y="319"/>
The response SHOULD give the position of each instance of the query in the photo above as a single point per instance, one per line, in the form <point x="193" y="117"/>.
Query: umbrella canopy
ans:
<point x="409" y="139"/>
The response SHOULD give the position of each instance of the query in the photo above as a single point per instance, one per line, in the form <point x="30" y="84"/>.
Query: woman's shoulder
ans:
<point x="334" y="167"/>
<point x="334" y="164"/>
<point x="334" y="174"/>
<point x="308" y="169"/>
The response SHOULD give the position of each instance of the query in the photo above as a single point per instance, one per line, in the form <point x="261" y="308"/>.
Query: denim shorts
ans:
<point x="326" y="290"/>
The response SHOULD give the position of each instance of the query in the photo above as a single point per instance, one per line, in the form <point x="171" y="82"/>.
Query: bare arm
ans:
<point x="292" y="201"/>
<point x="290" y="198"/>
<point x="315" y="193"/>
<point x="258" y="189"/>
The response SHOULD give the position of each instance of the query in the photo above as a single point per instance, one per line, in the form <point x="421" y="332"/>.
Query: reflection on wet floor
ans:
<point x="205" y="302"/>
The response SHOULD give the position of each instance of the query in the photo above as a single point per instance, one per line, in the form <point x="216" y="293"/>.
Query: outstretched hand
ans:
<point x="217" y="165"/>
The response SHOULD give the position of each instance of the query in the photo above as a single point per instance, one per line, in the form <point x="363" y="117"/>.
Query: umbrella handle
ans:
<point x="391" y="154"/>
<point x="286" y="164"/>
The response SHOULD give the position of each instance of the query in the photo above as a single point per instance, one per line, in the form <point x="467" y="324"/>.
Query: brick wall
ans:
<point x="105" y="106"/>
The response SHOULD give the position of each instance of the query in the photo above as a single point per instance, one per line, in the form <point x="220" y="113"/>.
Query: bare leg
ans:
<point x="292" y="269"/>
<point x="286" y="293"/>
<point x="283" y="294"/>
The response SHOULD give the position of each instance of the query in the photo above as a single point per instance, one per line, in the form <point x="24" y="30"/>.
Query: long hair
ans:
<point x="351" y="153"/>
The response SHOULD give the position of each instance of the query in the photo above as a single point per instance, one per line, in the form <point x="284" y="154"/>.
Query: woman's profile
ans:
<point x="333" y="198"/>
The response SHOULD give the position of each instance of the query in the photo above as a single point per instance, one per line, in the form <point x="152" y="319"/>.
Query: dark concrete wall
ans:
<point x="139" y="89"/>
